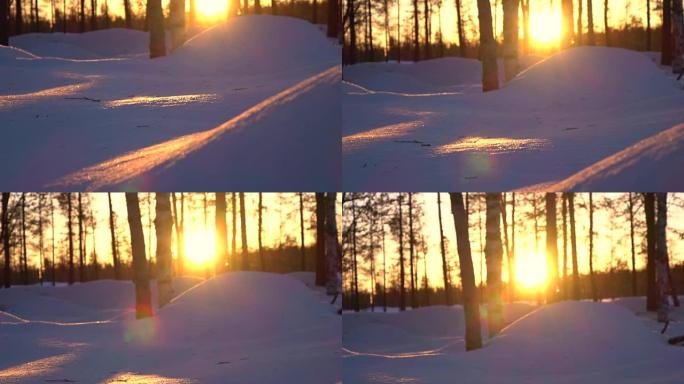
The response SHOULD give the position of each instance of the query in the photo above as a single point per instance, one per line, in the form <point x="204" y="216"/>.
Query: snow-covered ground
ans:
<point x="242" y="327"/>
<point x="567" y="342"/>
<point x="427" y="126"/>
<point x="252" y="104"/>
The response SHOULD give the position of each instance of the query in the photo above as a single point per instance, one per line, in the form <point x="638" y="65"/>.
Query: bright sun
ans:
<point x="545" y="26"/>
<point x="211" y="9"/>
<point x="530" y="271"/>
<point x="199" y="248"/>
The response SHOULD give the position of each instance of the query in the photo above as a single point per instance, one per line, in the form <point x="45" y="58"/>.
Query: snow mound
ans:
<point x="646" y="164"/>
<point x="256" y="44"/>
<point x="578" y="72"/>
<point x="100" y="44"/>
<point x="245" y="305"/>
<point x="10" y="54"/>
<point x="423" y="76"/>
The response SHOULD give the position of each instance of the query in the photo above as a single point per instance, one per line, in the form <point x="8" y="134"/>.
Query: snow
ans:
<point x="567" y="342"/>
<point x="270" y="120"/>
<point x="645" y="166"/>
<point x="559" y="116"/>
<point x="240" y="327"/>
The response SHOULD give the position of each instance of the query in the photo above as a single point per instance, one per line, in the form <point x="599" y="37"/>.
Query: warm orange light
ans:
<point x="546" y="27"/>
<point x="530" y="271"/>
<point x="199" y="247"/>
<point x="211" y="9"/>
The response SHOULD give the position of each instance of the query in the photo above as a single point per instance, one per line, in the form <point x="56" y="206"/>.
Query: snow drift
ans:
<point x="239" y="327"/>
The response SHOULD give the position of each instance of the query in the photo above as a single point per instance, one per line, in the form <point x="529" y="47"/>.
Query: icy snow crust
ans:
<point x="242" y="327"/>
<point x="568" y="342"/>
<point x="102" y="103"/>
<point x="405" y="129"/>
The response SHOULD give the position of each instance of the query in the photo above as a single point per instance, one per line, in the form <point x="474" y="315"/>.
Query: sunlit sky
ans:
<point x="207" y="10"/>
<point x="611" y="241"/>
<point x="545" y="22"/>
<point x="199" y="244"/>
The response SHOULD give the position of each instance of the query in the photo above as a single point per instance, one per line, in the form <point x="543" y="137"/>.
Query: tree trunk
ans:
<point x="352" y="31"/>
<point x="606" y="28"/>
<point x="81" y="17"/>
<point x="257" y="7"/>
<point x="93" y="15"/>
<point x="666" y="54"/>
<point x="651" y="289"/>
<point x="525" y="6"/>
<point x="631" y="238"/>
<point x="18" y="18"/>
<point x="511" y="256"/>
<point x="355" y="264"/>
<point x="510" y="44"/>
<point x="461" y="32"/>
<point x="24" y="255"/>
<point x="260" y="229"/>
<point x="234" y="265"/>
<point x="567" y="15"/>
<point x="243" y="231"/>
<point x="4" y="220"/>
<point x="321" y="267"/>
<point x="163" y="224"/>
<point x="494" y="256"/>
<point x="155" y="19"/>
<point x="112" y="231"/>
<point x="177" y="23"/>
<point x="592" y="277"/>
<point x="428" y="50"/>
<point x="301" y="231"/>
<point x="129" y="16"/>
<point x="81" y="238"/>
<point x="590" y="23"/>
<point x="221" y="232"/>
<point x="490" y="72"/>
<point x="332" y="246"/>
<point x="143" y="297"/>
<point x="416" y="32"/>
<point x="564" y="284"/>
<point x="552" y="246"/>
<point x="445" y="266"/>
<point x="402" y="273"/>
<point x="412" y="240"/>
<point x="648" y="25"/>
<point x="471" y="306"/>
<point x="573" y="244"/>
<point x="71" y="239"/>
<point x="4" y="22"/>
<point x="40" y="237"/>
<point x="662" y="276"/>
<point x="192" y="17"/>
<point x="52" y="226"/>
<point x="677" y="37"/>
<point x="579" y="22"/>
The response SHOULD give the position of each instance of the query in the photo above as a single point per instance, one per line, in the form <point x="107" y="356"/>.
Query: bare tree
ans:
<point x="155" y="19"/>
<point x="662" y="273"/>
<point x="666" y="54"/>
<point x="471" y="306"/>
<point x="243" y="232"/>
<point x="143" y="297"/>
<point x="18" y="18"/>
<point x="416" y="33"/>
<point x="592" y="276"/>
<point x="177" y="23"/>
<point x="677" y="36"/>
<point x="490" y="72"/>
<point x="567" y="15"/>
<point x="4" y="221"/>
<point x="261" y="251"/>
<point x="590" y="23"/>
<point x="4" y="22"/>
<point x="93" y="14"/>
<point x="221" y="232"/>
<point x="651" y="238"/>
<point x="552" y="245"/>
<point x="460" y="29"/>
<point x="332" y="246"/>
<point x="402" y="279"/>
<point x="301" y="231"/>
<point x="494" y="256"/>
<point x="128" y="15"/>
<point x="112" y="231"/>
<point x="163" y="224"/>
<point x="510" y="44"/>
<point x="445" y="267"/>
<point x="321" y="266"/>
<point x="573" y="244"/>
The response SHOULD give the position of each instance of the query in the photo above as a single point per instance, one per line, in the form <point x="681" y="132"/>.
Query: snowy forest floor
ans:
<point x="251" y="101"/>
<point x="240" y="327"/>
<point x="427" y="125"/>
<point x="567" y="342"/>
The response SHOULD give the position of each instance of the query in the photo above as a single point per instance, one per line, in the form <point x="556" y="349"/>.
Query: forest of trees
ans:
<point x="57" y="232"/>
<point x="416" y="38"/>
<point x="25" y="16"/>
<point x="384" y="247"/>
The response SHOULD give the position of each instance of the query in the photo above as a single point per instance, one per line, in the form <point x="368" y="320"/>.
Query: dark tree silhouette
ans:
<point x="490" y="72"/>
<point x="163" y="224"/>
<point x="321" y="266"/>
<point x="143" y="297"/>
<point x="155" y="18"/>
<point x="221" y="232"/>
<point x="5" y="232"/>
<point x="4" y="22"/>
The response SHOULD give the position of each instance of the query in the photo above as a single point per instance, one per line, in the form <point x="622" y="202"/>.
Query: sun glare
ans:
<point x="211" y="9"/>
<point x="199" y="248"/>
<point x="530" y="272"/>
<point x="546" y="27"/>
